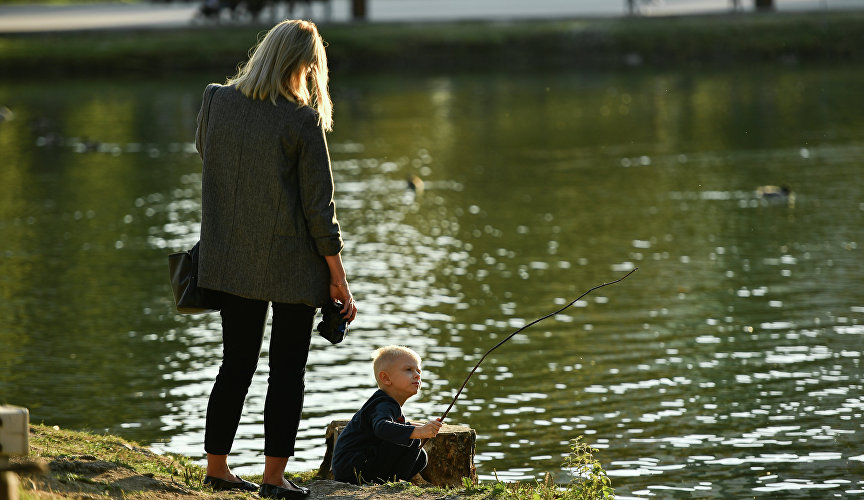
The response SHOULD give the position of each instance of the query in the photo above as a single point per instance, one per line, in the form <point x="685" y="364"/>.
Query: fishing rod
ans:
<point x="499" y="344"/>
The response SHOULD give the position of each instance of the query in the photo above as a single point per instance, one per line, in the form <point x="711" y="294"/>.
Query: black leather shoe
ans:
<point x="273" y="491"/>
<point x="223" y="484"/>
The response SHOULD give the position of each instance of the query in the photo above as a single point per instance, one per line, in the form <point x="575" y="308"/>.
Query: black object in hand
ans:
<point x="333" y="326"/>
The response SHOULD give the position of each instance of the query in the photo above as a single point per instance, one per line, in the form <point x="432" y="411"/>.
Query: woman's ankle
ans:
<point x="217" y="466"/>
<point x="274" y="471"/>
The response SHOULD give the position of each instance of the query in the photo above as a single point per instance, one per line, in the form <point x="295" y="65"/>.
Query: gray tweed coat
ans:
<point x="268" y="216"/>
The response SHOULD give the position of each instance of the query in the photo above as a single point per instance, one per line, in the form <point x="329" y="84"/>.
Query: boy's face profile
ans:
<point x="401" y="378"/>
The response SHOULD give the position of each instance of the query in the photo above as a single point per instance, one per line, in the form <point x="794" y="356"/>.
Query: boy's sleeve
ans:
<point x="385" y="425"/>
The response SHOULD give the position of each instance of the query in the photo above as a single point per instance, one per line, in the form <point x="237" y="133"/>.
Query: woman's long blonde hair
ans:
<point x="290" y="61"/>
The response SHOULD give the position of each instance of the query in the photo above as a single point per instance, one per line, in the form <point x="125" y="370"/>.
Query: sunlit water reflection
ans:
<point x="728" y="365"/>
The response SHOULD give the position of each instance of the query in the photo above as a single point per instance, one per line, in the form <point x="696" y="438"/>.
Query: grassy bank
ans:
<point x="82" y="465"/>
<point x="733" y="39"/>
<point x="85" y="465"/>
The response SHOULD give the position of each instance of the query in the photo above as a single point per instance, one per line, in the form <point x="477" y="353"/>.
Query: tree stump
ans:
<point x="451" y="454"/>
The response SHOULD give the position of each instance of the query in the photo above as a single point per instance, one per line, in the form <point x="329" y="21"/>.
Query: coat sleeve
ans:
<point x="316" y="188"/>
<point x="385" y="426"/>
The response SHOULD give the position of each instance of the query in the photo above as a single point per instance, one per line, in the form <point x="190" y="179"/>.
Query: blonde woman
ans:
<point x="269" y="234"/>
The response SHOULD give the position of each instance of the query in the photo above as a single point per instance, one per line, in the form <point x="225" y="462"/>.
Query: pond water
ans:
<point x="728" y="365"/>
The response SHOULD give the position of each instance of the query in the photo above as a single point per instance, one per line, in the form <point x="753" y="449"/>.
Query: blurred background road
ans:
<point x="98" y="16"/>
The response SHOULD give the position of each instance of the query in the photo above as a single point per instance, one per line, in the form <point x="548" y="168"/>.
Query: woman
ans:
<point x="268" y="234"/>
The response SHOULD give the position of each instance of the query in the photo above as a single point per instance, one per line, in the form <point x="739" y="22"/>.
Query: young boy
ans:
<point x="378" y="445"/>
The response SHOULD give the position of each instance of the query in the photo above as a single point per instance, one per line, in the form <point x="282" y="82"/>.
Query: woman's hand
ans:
<point x="340" y="292"/>
<point x="339" y="287"/>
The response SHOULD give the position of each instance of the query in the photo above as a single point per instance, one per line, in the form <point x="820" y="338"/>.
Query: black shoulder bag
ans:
<point x="189" y="298"/>
<point x="183" y="273"/>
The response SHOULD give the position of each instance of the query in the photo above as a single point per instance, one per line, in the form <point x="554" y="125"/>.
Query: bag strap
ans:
<point x="201" y="133"/>
<point x="212" y="89"/>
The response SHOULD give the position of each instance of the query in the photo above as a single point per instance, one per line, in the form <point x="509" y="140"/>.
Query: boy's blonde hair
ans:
<point x="290" y="61"/>
<point x="383" y="357"/>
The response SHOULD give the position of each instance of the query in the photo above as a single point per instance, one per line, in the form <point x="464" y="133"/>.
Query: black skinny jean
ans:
<point x="243" y="322"/>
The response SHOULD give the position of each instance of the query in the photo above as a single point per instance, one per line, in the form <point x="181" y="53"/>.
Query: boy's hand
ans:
<point x="428" y="430"/>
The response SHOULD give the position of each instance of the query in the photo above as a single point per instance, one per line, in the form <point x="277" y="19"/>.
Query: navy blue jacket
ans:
<point x="379" y="420"/>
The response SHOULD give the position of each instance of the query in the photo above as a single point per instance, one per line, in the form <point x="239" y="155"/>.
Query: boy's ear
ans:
<point x="384" y="378"/>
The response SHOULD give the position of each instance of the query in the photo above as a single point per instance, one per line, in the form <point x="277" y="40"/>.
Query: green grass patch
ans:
<point x="729" y="39"/>
<point x="52" y="444"/>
